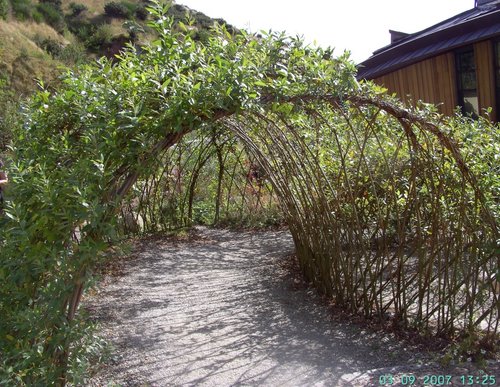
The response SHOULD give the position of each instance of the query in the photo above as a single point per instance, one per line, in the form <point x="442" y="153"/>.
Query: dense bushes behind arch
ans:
<point x="386" y="216"/>
<point x="358" y="177"/>
<point x="206" y="178"/>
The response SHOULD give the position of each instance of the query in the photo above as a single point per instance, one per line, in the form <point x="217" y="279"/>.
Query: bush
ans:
<point x="52" y="15"/>
<point x="141" y="13"/>
<point x="118" y="10"/>
<point x="77" y="9"/>
<point x="132" y="7"/>
<point x="73" y="54"/>
<point x="22" y="9"/>
<point x="37" y="17"/>
<point x="4" y="9"/>
<point x="101" y="38"/>
<point x="51" y="46"/>
<point x="202" y="35"/>
<point x="9" y="112"/>
<point x="133" y="29"/>
<point x="81" y="28"/>
<point x="57" y="4"/>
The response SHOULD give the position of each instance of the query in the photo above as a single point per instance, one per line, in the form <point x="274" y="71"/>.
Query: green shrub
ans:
<point x="85" y="32"/>
<point x="37" y="16"/>
<point x="82" y="28"/>
<point x="118" y="10"/>
<point x="57" y="4"/>
<point x="177" y="10"/>
<point x="77" y="9"/>
<point x="133" y="29"/>
<point x="141" y="13"/>
<point x="100" y="38"/>
<point x="202" y="35"/>
<point x="51" y="46"/>
<point x="4" y="9"/>
<point x="52" y="15"/>
<point x="22" y="9"/>
<point x="132" y="7"/>
<point x="73" y="54"/>
<point x="9" y="112"/>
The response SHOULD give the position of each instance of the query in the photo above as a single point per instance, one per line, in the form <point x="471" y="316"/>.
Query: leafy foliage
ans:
<point x="141" y="13"/>
<point x="115" y="9"/>
<point x="4" y="9"/>
<point x="100" y="38"/>
<point x="73" y="54"/>
<point x="56" y="4"/>
<point x="22" y="9"/>
<point x="77" y="9"/>
<point x="52" y="15"/>
<point x="53" y="47"/>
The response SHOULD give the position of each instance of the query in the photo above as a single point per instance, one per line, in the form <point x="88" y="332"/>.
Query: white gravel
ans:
<point x="222" y="311"/>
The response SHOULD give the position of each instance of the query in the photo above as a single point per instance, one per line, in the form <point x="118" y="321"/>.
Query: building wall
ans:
<point x="434" y="80"/>
<point x="485" y="73"/>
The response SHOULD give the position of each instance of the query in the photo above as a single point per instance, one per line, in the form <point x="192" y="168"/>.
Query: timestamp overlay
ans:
<point x="427" y="375"/>
<point x="435" y="379"/>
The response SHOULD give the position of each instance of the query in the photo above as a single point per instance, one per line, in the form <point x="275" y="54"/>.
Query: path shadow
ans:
<point x="223" y="312"/>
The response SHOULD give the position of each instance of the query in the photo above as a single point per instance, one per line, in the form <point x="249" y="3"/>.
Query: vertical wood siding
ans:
<point x="433" y="80"/>
<point x="485" y="76"/>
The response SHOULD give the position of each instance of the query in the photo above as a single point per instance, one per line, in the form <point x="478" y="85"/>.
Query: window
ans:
<point x="467" y="83"/>
<point x="497" y="76"/>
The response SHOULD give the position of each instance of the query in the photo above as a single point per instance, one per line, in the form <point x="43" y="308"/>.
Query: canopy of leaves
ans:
<point x="109" y="122"/>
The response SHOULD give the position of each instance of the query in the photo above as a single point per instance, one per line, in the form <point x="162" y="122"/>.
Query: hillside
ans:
<point x="39" y="38"/>
<point x="22" y="60"/>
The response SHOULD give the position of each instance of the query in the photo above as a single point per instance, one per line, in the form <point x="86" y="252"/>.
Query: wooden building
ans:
<point x="453" y="63"/>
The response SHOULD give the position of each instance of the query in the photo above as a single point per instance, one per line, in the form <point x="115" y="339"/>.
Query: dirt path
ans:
<point x="222" y="311"/>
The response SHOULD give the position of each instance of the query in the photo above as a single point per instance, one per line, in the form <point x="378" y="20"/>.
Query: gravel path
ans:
<point x="221" y="310"/>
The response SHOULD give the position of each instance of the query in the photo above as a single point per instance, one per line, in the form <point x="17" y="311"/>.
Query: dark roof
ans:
<point x="477" y="24"/>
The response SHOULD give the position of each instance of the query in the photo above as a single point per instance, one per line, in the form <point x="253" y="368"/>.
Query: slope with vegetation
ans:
<point x="39" y="38"/>
<point x="71" y="32"/>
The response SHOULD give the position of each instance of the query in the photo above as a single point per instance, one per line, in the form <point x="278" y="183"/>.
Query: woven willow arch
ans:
<point x="385" y="236"/>
<point x="369" y="191"/>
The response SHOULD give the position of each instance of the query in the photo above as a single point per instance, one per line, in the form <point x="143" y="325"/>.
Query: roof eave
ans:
<point x="410" y="45"/>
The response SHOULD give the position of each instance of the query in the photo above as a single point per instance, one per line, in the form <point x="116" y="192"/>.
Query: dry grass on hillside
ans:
<point x="21" y="59"/>
<point x="94" y="7"/>
<point x="32" y="29"/>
